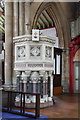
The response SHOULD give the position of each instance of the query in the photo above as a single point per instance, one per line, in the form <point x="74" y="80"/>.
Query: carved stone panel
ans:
<point x="21" y="53"/>
<point x="48" y="52"/>
<point x="35" y="51"/>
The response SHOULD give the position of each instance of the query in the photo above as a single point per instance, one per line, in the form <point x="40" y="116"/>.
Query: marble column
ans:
<point x="21" y="82"/>
<point x="66" y="71"/>
<point x="21" y="18"/>
<point x="18" y="79"/>
<point x="63" y="71"/>
<point x="27" y="76"/>
<point x="8" y="42"/>
<point x="25" y="86"/>
<point x="15" y="19"/>
<point x="34" y="87"/>
<point x="15" y="33"/>
<point x="44" y="88"/>
<point x="51" y="86"/>
<point x="27" y="18"/>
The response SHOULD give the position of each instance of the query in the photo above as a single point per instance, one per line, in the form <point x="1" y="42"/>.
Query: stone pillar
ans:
<point x="15" y="33"/>
<point x="17" y="79"/>
<point x="66" y="71"/>
<point x="21" y="82"/>
<point x="34" y="87"/>
<point x="15" y="19"/>
<point x="44" y="87"/>
<point x="63" y="72"/>
<point x="27" y="18"/>
<point x="42" y="74"/>
<point x="8" y="42"/>
<point x="51" y="85"/>
<point x="25" y="86"/>
<point x="27" y="76"/>
<point x="21" y="18"/>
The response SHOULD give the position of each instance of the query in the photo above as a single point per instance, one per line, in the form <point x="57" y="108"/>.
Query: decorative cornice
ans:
<point x="24" y="38"/>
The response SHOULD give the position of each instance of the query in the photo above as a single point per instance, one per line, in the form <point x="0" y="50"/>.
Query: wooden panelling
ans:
<point x="57" y="90"/>
<point x="57" y="81"/>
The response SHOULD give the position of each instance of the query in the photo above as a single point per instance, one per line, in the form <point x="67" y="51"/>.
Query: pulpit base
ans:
<point x="32" y="105"/>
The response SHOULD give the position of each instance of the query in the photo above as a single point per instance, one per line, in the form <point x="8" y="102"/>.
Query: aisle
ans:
<point x="9" y="116"/>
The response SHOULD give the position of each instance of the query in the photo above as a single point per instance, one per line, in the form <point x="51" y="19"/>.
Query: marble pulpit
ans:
<point x="34" y="66"/>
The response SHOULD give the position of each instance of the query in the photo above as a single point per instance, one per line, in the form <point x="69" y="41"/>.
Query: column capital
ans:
<point x="17" y="73"/>
<point x="28" y="73"/>
<point x="24" y="81"/>
<point x="42" y="73"/>
<point x="50" y="73"/>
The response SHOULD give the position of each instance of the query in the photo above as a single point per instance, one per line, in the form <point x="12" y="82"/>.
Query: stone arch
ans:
<point x="57" y="14"/>
<point x="63" y="31"/>
<point x="77" y="55"/>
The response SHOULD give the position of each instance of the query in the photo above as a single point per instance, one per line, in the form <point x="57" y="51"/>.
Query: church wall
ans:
<point x="62" y="34"/>
<point x="62" y="24"/>
<point x="63" y="31"/>
<point x="77" y="56"/>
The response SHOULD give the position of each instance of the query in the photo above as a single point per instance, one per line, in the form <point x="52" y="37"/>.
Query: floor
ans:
<point x="66" y="106"/>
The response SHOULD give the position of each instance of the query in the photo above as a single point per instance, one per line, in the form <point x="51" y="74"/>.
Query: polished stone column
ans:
<point x="27" y="18"/>
<point x="21" y="18"/>
<point x="18" y="79"/>
<point x="51" y="86"/>
<point x="27" y="76"/>
<point x="21" y="82"/>
<point x="44" y="88"/>
<point x="51" y="83"/>
<point x="25" y="86"/>
<point x="15" y="33"/>
<point x="15" y="19"/>
<point x="8" y="42"/>
<point x="66" y="71"/>
<point x="34" y="87"/>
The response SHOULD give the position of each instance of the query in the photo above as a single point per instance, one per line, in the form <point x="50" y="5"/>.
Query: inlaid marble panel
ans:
<point x="48" y="52"/>
<point x="21" y="53"/>
<point x="35" y="51"/>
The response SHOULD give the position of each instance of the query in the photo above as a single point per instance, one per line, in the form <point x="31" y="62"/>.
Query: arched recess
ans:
<point x="61" y="23"/>
<point x="74" y="47"/>
<point x="77" y="70"/>
<point x="56" y="12"/>
<point x="77" y="54"/>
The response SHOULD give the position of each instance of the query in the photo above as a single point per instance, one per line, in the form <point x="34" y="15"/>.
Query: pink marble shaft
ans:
<point x="34" y="87"/>
<point x="25" y="87"/>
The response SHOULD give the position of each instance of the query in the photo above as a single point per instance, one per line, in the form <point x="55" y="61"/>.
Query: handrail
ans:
<point x="22" y="103"/>
<point x="21" y="92"/>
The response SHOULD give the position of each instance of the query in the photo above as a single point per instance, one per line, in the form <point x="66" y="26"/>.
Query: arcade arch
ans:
<point x="56" y="14"/>
<point x="76" y="71"/>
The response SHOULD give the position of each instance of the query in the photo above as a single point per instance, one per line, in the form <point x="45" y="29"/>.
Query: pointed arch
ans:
<point x="57" y="14"/>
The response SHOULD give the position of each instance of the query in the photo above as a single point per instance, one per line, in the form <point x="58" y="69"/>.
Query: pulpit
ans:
<point x="34" y="66"/>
